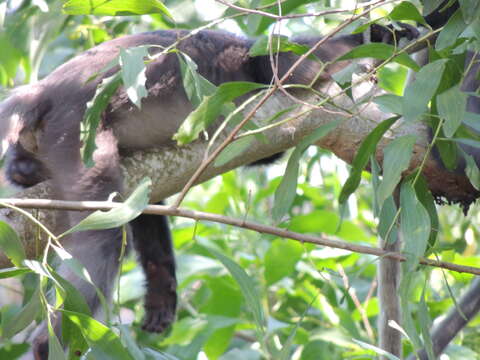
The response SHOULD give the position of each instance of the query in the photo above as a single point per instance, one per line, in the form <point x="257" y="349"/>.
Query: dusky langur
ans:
<point x="43" y="123"/>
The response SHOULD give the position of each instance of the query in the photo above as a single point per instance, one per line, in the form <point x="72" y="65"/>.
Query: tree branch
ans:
<point x="171" y="167"/>
<point x="324" y="240"/>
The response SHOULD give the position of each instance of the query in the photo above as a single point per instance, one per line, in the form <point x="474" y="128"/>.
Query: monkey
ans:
<point x="43" y="125"/>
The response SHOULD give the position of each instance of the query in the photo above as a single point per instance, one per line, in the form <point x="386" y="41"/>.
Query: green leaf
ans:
<point x="279" y="43"/>
<point x="115" y="7"/>
<point x="419" y="93"/>
<point x="396" y="159"/>
<point x="73" y="301"/>
<point x="92" y="116"/>
<point x="470" y="10"/>
<point x="10" y="56"/>
<point x="133" y="73"/>
<point x="23" y="318"/>
<point x="390" y="103"/>
<point x="367" y="149"/>
<point x="426" y="198"/>
<point x="55" y="349"/>
<point x="451" y="105"/>
<point x="472" y="171"/>
<point x="406" y="11"/>
<point x="380" y="51"/>
<point x="451" y="31"/>
<point x="104" y="343"/>
<point x="12" y="272"/>
<point x="13" y="351"/>
<point x="280" y="259"/>
<point x="387" y="229"/>
<point x="287" y="189"/>
<point x="248" y="289"/>
<point x="210" y="108"/>
<point x="425" y="325"/>
<point x="233" y="150"/>
<point x="10" y="244"/>
<point x="196" y="86"/>
<point x="377" y="350"/>
<point x="258" y="24"/>
<point x="127" y="211"/>
<point x="472" y="120"/>
<point x="415" y="226"/>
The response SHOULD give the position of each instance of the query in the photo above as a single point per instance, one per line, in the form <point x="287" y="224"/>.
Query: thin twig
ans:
<point x="294" y="16"/>
<point x="361" y="309"/>
<point x="324" y="240"/>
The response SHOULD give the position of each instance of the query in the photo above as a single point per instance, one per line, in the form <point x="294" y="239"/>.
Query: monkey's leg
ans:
<point x="152" y="240"/>
<point x="97" y="250"/>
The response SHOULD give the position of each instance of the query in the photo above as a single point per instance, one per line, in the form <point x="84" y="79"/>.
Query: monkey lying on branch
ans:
<point x="43" y="124"/>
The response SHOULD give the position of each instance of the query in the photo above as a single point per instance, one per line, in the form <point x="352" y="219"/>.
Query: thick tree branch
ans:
<point x="171" y="167"/>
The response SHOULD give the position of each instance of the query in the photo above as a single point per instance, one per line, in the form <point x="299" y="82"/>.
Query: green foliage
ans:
<point x="246" y="295"/>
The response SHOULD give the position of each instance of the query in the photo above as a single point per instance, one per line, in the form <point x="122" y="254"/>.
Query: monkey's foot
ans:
<point x="40" y="347"/>
<point x="160" y="299"/>
<point x="158" y="319"/>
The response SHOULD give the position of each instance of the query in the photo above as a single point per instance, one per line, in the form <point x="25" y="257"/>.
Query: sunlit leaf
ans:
<point x="380" y="51"/>
<point x="104" y="343"/>
<point x="115" y="7"/>
<point x="127" y="211"/>
<point x="10" y="244"/>
<point x="396" y="159"/>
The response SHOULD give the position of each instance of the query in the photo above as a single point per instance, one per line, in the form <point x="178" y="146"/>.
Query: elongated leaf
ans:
<point x="390" y="103"/>
<point x="12" y="272"/>
<point x="133" y="73"/>
<point x="210" y="108"/>
<point x="55" y="349"/>
<point x="451" y="105"/>
<point x="387" y="229"/>
<point x="287" y="189"/>
<point x="376" y="350"/>
<point x="10" y="244"/>
<point x="419" y="93"/>
<point x="472" y="171"/>
<point x="367" y="149"/>
<point x="280" y="259"/>
<point x="472" y="120"/>
<point x="115" y="7"/>
<point x="415" y="226"/>
<point x="406" y="11"/>
<point x="73" y="301"/>
<point x="233" y="150"/>
<point x="129" y="210"/>
<point x="426" y="199"/>
<point x="95" y="108"/>
<point x="450" y="32"/>
<point x="380" y="51"/>
<point x="248" y="289"/>
<point x="23" y="318"/>
<point x="425" y="326"/>
<point x="195" y="85"/>
<point x="104" y="343"/>
<point x="396" y="159"/>
<point x="279" y="43"/>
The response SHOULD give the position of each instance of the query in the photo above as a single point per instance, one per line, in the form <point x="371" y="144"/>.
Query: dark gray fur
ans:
<point x="43" y="126"/>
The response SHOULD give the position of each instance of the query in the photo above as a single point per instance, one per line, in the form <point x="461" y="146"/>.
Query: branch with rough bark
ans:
<point x="170" y="168"/>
